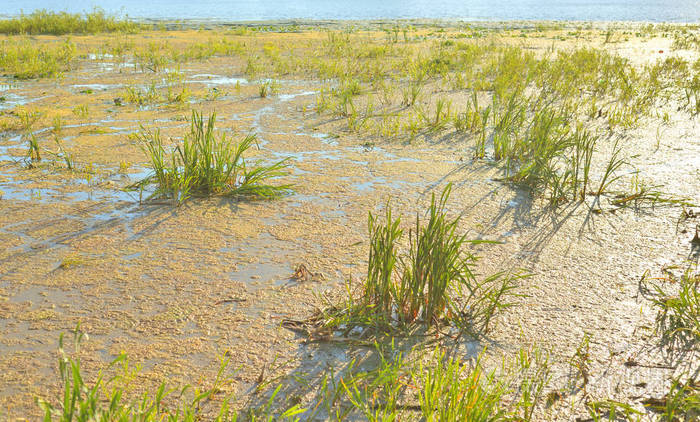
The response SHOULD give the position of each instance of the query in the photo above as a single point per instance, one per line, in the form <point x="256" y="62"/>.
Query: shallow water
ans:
<point x="256" y="10"/>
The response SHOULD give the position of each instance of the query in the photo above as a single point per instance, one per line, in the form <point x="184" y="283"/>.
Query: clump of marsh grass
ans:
<point x="432" y="385"/>
<point x="267" y="88"/>
<point x="147" y="95"/>
<point x="25" y="59"/>
<point x="431" y="285"/>
<point x="395" y="387"/>
<point x="452" y="393"/>
<point x="552" y="157"/>
<point x="447" y="390"/>
<point x="61" y="152"/>
<point x="108" y="397"/>
<point x="27" y="121"/>
<point x="33" y="153"/>
<point x="204" y="164"/>
<point x="678" y="317"/>
<point x="59" y="23"/>
<point x="641" y="193"/>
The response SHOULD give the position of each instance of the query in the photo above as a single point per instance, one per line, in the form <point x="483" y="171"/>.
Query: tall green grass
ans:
<point x="552" y="158"/>
<point x="678" y="316"/>
<point x="432" y="284"/>
<point x="59" y="23"/>
<point x="395" y="386"/>
<point x="25" y="59"/>
<point x="110" y="397"/>
<point x="542" y="110"/>
<point x="204" y="164"/>
<point x="452" y="393"/>
<point x="447" y="390"/>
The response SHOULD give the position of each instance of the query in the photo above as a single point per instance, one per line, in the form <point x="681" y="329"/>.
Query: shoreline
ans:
<point x="427" y="22"/>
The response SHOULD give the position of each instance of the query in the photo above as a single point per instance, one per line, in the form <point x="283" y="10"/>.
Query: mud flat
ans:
<point x="384" y="114"/>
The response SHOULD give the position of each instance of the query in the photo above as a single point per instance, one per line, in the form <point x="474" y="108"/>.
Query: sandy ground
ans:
<point x="176" y="287"/>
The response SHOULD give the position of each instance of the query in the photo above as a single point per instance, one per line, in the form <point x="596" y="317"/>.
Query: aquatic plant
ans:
<point x="82" y="111"/>
<point x="108" y="398"/>
<point x="204" y="164"/>
<point x="33" y="153"/>
<point x="25" y="59"/>
<point x="264" y="89"/>
<point x="678" y="310"/>
<point x="439" y="388"/>
<point x="58" y="23"/>
<point x="143" y="96"/>
<point x="452" y="393"/>
<point x="431" y="285"/>
<point x="61" y="153"/>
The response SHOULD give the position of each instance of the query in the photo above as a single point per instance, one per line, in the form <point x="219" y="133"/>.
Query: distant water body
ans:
<point x="490" y="10"/>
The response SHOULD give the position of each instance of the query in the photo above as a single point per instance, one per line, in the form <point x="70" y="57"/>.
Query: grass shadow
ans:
<point x="321" y="377"/>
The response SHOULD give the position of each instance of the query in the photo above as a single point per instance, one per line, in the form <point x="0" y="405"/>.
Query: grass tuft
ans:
<point x="204" y="165"/>
<point x="25" y="59"/>
<point x="431" y="285"/>
<point x="678" y="317"/>
<point x="453" y="393"/>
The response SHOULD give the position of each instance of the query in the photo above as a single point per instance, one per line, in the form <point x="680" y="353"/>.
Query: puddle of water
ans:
<point x="302" y="156"/>
<point x="11" y="100"/>
<point x="5" y="154"/>
<point x="297" y="200"/>
<point x="209" y="79"/>
<point x="296" y="171"/>
<point x="289" y="97"/>
<point x="371" y="185"/>
<point x="393" y="158"/>
<point x="98" y="194"/>
<point x="257" y="124"/>
<point x="31" y="194"/>
<point x="11" y="188"/>
<point x="96" y="87"/>
<point x="366" y="186"/>
<point x="326" y="139"/>
<point x="323" y="137"/>
<point x="111" y="67"/>
<point x="93" y="56"/>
